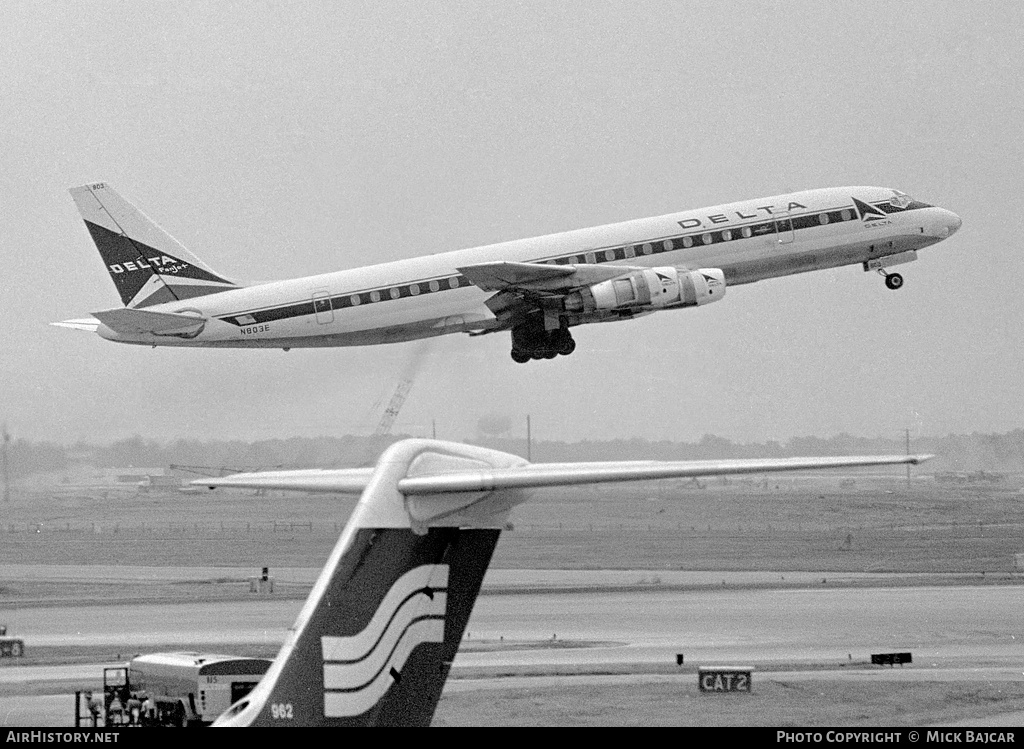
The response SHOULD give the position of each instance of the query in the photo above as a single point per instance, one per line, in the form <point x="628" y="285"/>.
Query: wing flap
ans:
<point x="539" y="277"/>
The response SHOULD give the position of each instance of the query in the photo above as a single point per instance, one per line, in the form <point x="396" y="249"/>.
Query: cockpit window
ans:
<point x="900" y="199"/>
<point x="888" y="208"/>
<point x="899" y="202"/>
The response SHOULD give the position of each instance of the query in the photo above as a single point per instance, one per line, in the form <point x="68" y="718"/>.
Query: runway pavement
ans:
<point x="963" y="632"/>
<point x="494" y="579"/>
<point x="941" y="622"/>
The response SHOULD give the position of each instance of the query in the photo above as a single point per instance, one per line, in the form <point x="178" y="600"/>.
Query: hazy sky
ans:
<point x="283" y="139"/>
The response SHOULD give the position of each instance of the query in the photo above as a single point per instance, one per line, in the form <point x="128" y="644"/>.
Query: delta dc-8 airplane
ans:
<point x="538" y="289"/>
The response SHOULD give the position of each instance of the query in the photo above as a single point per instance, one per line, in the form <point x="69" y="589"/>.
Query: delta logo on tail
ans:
<point x="125" y="255"/>
<point x="148" y="265"/>
<point x="145" y="276"/>
<point x="160" y="264"/>
<point x="359" y="670"/>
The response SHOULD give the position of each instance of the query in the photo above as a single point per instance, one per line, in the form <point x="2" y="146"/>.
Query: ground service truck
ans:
<point x="185" y="689"/>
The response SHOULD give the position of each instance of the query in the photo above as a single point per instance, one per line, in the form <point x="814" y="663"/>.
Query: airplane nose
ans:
<point x="948" y="223"/>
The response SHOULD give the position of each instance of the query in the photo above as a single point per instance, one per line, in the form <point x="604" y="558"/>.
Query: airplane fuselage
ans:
<point x="428" y="296"/>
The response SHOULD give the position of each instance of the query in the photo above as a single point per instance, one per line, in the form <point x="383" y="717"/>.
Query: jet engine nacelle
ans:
<point x="652" y="288"/>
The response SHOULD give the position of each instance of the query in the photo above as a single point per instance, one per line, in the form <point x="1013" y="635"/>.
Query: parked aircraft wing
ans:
<point x="134" y="321"/>
<point x="537" y="475"/>
<point x="539" y="277"/>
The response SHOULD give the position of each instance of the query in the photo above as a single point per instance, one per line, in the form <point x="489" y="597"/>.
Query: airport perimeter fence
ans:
<point x="950" y="548"/>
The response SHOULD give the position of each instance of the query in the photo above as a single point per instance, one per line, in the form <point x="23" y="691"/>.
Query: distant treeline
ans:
<point x="972" y="452"/>
<point x="25" y="458"/>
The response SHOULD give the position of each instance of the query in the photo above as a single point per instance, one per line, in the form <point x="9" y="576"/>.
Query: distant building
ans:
<point x="157" y="482"/>
<point x="969" y="477"/>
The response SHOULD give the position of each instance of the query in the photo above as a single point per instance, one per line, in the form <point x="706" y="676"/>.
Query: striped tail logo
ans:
<point x="359" y="670"/>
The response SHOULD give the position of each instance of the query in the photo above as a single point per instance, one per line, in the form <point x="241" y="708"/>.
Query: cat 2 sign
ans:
<point x="724" y="678"/>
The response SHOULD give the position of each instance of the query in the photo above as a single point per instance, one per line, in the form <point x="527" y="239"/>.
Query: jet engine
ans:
<point x="652" y="288"/>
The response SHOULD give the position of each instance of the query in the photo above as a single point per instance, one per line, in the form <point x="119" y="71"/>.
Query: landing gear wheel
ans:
<point x="531" y="341"/>
<point x="893" y="281"/>
<point x="561" y="341"/>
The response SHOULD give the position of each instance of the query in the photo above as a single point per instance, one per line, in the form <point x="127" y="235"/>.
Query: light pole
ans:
<point x="6" y="474"/>
<point x="908" y="453"/>
<point x="529" y="440"/>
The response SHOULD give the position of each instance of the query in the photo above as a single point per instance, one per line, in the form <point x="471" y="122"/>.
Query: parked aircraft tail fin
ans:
<point x="148" y="265"/>
<point x="375" y="640"/>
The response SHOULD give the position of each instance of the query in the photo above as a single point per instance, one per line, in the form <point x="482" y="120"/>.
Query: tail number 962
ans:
<point x="281" y="711"/>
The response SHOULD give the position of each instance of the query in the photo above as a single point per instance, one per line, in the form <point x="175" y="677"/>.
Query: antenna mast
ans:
<point x="4" y="467"/>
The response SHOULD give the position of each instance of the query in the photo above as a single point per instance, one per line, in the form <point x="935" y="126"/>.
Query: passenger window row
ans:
<point x="625" y="252"/>
<point x="687" y="241"/>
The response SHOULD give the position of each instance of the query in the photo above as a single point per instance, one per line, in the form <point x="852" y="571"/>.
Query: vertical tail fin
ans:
<point x="148" y="265"/>
<point x="378" y="648"/>
<point x="375" y="641"/>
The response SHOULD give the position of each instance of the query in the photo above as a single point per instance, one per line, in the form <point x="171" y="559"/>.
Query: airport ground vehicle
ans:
<point x="10" y="646"/>
<point x="186" y="688"/>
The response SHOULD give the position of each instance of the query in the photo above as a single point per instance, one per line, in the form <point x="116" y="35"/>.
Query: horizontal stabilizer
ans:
<point x="568" y="474"/>
<point x="137" y="321"/>
<point x="341" y="480"/>
<point x="88" y="324"/>
<point x="539" y="277"/>
<point x="539" y="475"/>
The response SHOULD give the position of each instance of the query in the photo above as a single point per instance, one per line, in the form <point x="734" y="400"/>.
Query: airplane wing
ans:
<point x="134" y="321"/>
<point x="539" y="475"/>
<point x="540" y="277"/>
